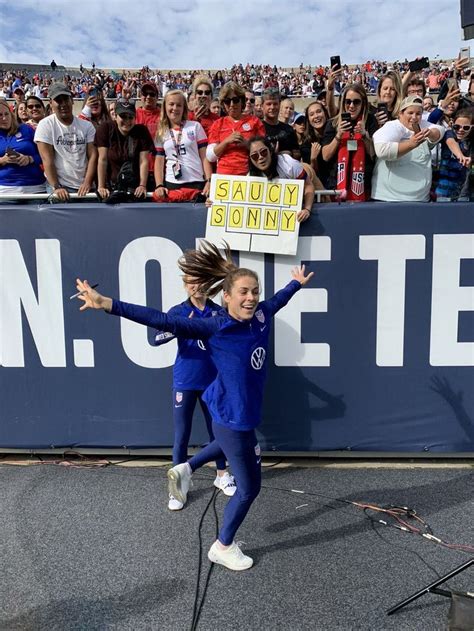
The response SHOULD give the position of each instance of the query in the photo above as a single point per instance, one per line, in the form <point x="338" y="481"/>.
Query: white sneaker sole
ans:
<point x="174" y="486"/>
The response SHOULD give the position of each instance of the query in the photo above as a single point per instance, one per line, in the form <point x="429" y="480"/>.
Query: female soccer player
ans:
<point x="238" y="342"/>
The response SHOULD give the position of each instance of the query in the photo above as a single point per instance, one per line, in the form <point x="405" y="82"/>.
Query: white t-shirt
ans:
<point x="70" y="147"/>
<point x="193" y="137"/>
<point x="288" y="168"/>
<point x="404" y="179"/>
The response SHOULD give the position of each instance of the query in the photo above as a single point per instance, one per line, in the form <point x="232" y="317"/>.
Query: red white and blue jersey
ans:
<point x="193" y="368"/>
<point x="183" y="146"/>
<point x="238" y="349"/>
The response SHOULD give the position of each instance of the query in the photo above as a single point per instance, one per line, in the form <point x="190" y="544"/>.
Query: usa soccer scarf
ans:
<point x="351" y="168"/>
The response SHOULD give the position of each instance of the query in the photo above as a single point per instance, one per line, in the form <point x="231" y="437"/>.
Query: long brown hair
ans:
<point x="211" y="270"/>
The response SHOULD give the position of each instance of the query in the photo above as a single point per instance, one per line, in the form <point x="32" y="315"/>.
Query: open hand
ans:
<point x="298" y="274"/>
<point x="91" y="298"/>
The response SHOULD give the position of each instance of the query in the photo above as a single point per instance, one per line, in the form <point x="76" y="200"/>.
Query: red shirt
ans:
<point x="235" y="159"/>
<point x="149" y="118"/>
<point x="206" y="121"/>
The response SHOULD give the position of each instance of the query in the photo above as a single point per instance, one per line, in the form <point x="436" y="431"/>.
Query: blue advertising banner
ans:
<point x="376" y="353"/>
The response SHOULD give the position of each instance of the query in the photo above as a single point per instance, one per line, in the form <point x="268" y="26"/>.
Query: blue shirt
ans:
<point x="238" y="350"/>
<point x="193" y="368"/>
<point x="21" y="141"/>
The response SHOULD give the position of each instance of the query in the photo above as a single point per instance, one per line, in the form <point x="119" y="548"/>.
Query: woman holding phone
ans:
<point x="20" y="170"/>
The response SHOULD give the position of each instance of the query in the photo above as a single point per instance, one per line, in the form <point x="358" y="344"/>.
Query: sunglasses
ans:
<point x="203" y="92"/>
<point x="463" y="127"/>
<point x="354" y="102"/>
<point x="36" y="106"/>
<point x="262" y="153"/>
<point x="126" y="117"/>
<point x="232" y="99"/>
<point x="148" y="94"/>
<point x="251" y="100"/>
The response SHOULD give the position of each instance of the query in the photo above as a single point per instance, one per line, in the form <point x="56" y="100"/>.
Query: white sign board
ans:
<point x="253" y="214"/>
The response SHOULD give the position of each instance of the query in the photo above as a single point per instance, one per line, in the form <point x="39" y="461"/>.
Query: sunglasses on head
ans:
<point x="203" y="92"/>
<point x="232" y="99"/>
<point x="354" y="102"/>
<point x="463" y="127"/>
<point x="261" y="153"/>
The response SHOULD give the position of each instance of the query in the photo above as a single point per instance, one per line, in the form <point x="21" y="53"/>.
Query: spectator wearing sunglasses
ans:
<point x="265" y="162"/>
<point x="36" y="111"/>
<point x="457" y="153"/>
<point x="123" y="147"/>
<point x="228" y="135"/>
<point x="249" y="109"/>
<point x="149" y="115"/>
<point x="66" y="146"/>
<point x="202" y="95"/>
<point x="347" y="145"/>
<point x="279" y="132"/>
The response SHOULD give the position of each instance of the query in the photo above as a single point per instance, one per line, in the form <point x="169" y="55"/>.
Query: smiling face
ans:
<point x="174" y="106"/>
<point x="462" y="127"/>
<point x="125" y="122"/>
<point x="35" y="110"/>
<point x="271" y="109"/>
<point x="232" y="104"/>
<point x="62" y="107"/>
<point x="411" y="115"/>
<point x="21" y="111"/>
<point x="242" y="299"/>
<point x="287" y="109"/>
<point x="316" y="117"/>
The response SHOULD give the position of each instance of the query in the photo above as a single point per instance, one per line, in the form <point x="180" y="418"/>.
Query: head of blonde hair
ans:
<point x="11" y="131"/>
<point x="165" y="123"/>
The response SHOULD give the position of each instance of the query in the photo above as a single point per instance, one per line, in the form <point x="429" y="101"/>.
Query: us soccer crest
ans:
<point x="260" y="316"/>
<point x="179" y="397"/>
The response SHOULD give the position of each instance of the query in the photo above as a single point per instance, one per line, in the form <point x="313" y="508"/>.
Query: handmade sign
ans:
<point x="253" y="214"/>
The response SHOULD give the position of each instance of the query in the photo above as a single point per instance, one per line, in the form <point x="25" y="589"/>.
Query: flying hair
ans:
<point x="210" y="269"/>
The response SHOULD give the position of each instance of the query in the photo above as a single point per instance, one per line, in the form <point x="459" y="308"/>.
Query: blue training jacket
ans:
<point x="193" y="367"/>
<point x="238" y="350"/>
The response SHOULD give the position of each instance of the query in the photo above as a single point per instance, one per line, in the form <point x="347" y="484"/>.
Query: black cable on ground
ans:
<point x="197" y="608"/>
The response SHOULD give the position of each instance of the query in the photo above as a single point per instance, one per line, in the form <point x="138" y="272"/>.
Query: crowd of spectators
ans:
<point x="377" y="130"/>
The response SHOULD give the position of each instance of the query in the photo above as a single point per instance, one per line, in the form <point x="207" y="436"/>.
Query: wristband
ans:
<point x="159" y="186"/>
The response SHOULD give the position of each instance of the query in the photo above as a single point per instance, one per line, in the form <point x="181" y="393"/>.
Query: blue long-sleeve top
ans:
<point x="238" y="350"/>
<point x="193" y="367"/>
<point x="22" y="142"/>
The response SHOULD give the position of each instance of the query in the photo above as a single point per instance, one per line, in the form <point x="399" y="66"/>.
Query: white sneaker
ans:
<point x="179" y="481"/>
<point x="174" y="504"/>
<point x="226" y="484"/>
<point x="232" y="557"/>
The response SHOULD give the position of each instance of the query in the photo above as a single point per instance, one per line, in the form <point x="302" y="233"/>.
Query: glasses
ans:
<point x="250" y="100"/>
<point x="354" y="102"/>
<point x="148" y="93"/>
<point x="203" y="92"/>
<point x="262" y="153"/>
<point x="233" y="99"/>
<point x="126" y="117"/>
<point x="35" y="106"/>
<point x="463" y="127"/>
<point x="417" y="91"/>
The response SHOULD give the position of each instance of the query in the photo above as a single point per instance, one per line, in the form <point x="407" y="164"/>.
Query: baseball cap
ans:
<point x="148" y="85"/>
<point x="413" y="99"/>
<point x="58" y="89"/>
<point x="18" y="89"/>
<point x="300" y="119"/>
<point x="124" y="108"/>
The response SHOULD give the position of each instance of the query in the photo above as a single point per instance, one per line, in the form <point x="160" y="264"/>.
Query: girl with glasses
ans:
<point x="347" y="145"/>
<point x="202" y="95"/>
<point x="264" y="162"/>
<point x="457" y="153"/>
<point x="36" y="111"/>
<point x="228" y="135"/>
<point x="237" y="340"/>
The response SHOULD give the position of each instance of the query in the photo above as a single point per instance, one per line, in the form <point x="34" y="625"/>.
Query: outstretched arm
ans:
<point x="191" y="328"/>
